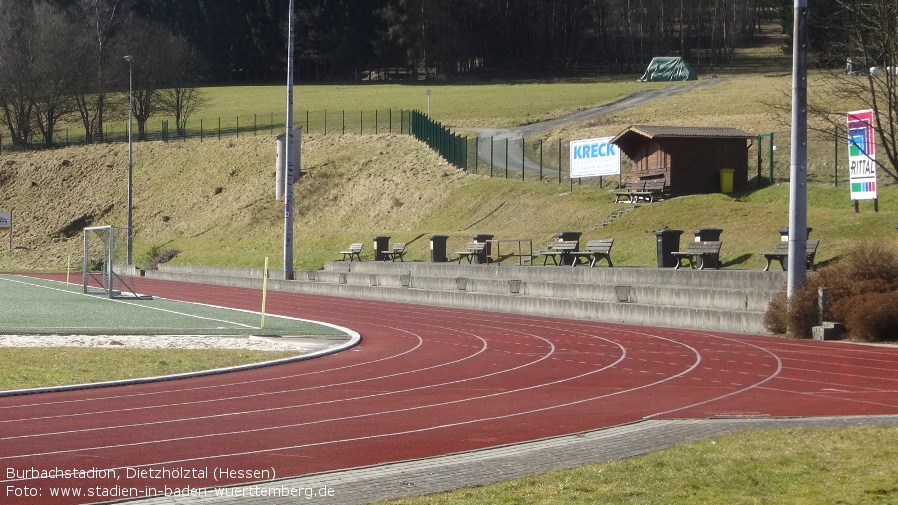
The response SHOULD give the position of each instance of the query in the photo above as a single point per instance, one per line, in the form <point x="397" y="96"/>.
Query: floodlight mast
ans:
<point x="798" y="176"/>
<point x="288" y="154"/>
<point x="130" y="59"/>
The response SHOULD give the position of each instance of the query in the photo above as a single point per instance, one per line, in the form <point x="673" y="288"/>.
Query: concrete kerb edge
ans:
<point x="354" y="340"/>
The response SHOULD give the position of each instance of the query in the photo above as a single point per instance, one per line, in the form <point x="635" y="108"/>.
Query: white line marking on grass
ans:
<point x="223" y="321"/>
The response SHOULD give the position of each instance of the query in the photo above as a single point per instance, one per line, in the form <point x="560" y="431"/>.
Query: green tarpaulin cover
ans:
<point x="668" y="69"/>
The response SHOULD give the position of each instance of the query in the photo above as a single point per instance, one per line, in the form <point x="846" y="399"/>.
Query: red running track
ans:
<point x="424" y="381"/>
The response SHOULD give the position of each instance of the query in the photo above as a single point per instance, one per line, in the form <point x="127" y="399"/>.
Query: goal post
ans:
<point x="104" y="258"/>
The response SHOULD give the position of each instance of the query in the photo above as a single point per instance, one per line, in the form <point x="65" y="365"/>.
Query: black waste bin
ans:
<point x="706" y="234"/>
<point x="483" y="257"/>
<point x="381" y="246"/>
<point x="668" y="242"/>
<point x="784" y="233"/>
<point x="569" y="236"/>
<point x="438" y="248"/>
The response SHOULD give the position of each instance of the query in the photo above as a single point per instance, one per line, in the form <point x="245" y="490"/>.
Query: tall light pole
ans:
<point x="288" y="160"/>
<point x="130" y="60"/>
<point x="798" y="175"/>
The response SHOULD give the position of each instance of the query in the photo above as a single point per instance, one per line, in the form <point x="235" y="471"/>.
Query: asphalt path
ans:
<point x="503" y="147"/>
<point x="425" y="381"/>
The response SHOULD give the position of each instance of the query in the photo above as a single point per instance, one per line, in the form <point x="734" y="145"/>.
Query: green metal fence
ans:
<point x="451" y="146"/>
<point x="326" y="122"/>
<point x="510" y="158"/>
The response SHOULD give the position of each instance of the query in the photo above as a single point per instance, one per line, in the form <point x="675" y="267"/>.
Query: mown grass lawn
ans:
<point x="792" y="466"/>
<point x="35" y="367"/>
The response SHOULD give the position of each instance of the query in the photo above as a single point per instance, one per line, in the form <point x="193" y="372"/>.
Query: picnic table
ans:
<point x="523" y="244"/>
<point x="647" y="190"/>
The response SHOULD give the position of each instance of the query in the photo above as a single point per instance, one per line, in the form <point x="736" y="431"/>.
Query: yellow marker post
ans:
<point x="264" y="291"/>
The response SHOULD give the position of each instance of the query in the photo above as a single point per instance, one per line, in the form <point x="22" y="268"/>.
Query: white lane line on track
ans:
<point x="324" y="307"/>
<point x="420" y="342"/>
<point x="270" y="379"/>
<point x="287" y="407"/>
<point x="766" y="379"/>
<point x="692" y="367"/>
<point x="834" y="396"/>
<point x="549" y="407"/>
<point x="483" y="348"/>
<point x="695" y="363"/>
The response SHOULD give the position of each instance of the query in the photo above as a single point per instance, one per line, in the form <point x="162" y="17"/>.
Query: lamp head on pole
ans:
<point x="128" y="58"/>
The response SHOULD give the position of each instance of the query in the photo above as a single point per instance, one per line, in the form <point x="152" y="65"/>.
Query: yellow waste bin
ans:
<point x="726" y="180"/>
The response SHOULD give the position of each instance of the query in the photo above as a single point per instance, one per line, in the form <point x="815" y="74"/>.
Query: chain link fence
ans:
<point x="503" y="155"/>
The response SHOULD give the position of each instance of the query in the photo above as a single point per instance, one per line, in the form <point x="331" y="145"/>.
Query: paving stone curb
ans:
<point x="431" y="475"/>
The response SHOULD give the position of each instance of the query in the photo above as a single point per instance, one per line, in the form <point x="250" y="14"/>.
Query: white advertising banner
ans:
<point x="594" y="158"/>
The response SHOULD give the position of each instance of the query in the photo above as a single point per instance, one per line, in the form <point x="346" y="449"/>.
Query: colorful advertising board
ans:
<point x="594" y="158"/>
<point x="862" y="155"/>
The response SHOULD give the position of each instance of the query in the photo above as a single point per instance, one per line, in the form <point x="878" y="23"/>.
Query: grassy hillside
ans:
<point x="214" y="201"/>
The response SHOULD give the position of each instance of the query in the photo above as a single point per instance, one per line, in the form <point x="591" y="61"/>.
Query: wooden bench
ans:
<point x="700" y="253"/>
<point x="474" y="249"/>
<point x="353" y="251"/>
<point x="782" y="254"/>
<point x="558" y="252"/>
<point x="647" y="190"/>
<point x="595" y="249"/>
<point x="398" y="251"/>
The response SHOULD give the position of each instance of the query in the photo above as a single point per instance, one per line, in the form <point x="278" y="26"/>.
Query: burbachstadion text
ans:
<point x="161" y="473"/>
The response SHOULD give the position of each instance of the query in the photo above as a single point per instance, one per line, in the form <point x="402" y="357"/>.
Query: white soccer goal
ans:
<point x="104" y="258"/>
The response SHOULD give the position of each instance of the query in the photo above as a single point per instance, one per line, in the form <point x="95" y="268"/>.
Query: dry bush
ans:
<point x="874" y="316"/>
<point x="868" y="275"/>
<point x="776" y="318"/>
<point x="804" y="310"/>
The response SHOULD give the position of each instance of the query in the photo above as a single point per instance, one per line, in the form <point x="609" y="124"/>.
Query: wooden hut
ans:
<point x="689" y="159"/>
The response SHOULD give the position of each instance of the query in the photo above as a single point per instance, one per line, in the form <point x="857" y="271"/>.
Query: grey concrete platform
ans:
<point x="725" y="300"/>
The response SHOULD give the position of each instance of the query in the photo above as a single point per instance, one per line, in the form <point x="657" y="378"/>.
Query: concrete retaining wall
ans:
<point x="727" y="300"/>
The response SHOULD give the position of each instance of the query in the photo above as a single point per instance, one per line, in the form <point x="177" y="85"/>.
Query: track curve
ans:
<point x="424" y="381"/>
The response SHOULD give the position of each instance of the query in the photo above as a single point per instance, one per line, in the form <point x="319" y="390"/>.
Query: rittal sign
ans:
<point x="862" y="155"/>
<point x="594" y="158"/>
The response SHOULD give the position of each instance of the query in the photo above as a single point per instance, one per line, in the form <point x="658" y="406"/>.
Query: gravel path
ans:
<point x="147" y="342"/>
<point x="512" y="137"/>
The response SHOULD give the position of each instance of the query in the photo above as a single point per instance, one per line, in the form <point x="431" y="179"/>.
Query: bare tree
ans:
<point x="874" y="41"/>
<point x="165" y="70"/>
<point x="17" y="27"/>
<point x="181" y="97"/>
<point x="54" y="69"/>
<point x="100" y="21"/>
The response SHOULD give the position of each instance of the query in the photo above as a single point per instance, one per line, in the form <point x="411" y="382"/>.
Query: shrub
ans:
<point x="869" y="279"/>
<point x="156" y="255"/>
<point x="877" y="318"/>
<point x="776" y="319"/>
